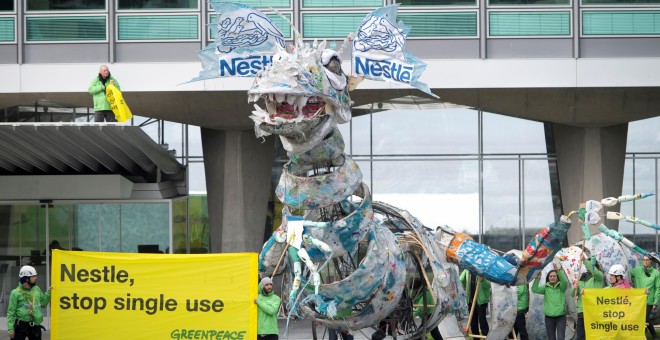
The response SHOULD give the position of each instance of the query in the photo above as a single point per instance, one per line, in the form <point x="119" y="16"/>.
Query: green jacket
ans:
<point x="483" y="295"/>
<point x="523" y="297"/>
<point x="22" y="300"/>
<point x="267" y="307"/>
<point x="597" y="280"/>
<point x="651" y="282"/>
<point x="97" y="91"/>
<point x="554" y="296"/>
<point x="419" y="302"/>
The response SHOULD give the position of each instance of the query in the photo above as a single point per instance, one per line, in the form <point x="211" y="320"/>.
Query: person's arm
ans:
<point x="269" y="306"/>
<point x="11" y="313"/>
<point x="563" y="281"/>
<point x="656" y="298"/>
<point x="95" y="87"/>
<point x="45" y="298"/>
<point x="535" y="287"/>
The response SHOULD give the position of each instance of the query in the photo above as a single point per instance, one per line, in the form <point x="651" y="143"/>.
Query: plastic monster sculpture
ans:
<point x="378" y="251"/>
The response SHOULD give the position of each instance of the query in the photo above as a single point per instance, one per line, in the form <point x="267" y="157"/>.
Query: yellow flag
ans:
<point x="153" y="296"/>
<point x="119" y="106"/>
<point x="614" y="313"/>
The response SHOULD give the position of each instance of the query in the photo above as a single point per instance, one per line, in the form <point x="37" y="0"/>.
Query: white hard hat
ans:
<point x="27" y="271"/>
<point x="617" y="269"/>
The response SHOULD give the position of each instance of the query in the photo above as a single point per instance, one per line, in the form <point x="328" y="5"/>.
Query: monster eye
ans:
<point x="334" y="66"/>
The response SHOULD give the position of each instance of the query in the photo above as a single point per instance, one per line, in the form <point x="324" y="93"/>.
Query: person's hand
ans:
<point x="646" y="291"/>
<point x="653" y="307"/>
<point x="255" y="300"/>
<point x="11" y="335"/>
<point x="576" y="285"/>
<point x="481" y="278"/>
<point x="112" y="82"/>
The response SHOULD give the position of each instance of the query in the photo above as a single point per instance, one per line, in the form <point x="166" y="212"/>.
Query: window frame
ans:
<point x="571" y="28"/>
<point x="43" y="15"/>
<point x="615" y="9"/>
<point x="199" y="28"/>
<point x="156" y="10"/>
<point x="619" y="5"/>
<point x="82" y="11"/>
<point x="435" y="8"/>
<point x="263" y="9"/>
<point x="13" y="11"/>
<point x="355" y="8"/>
<point x="535" y="7"/>
<point x="15" y="41"/>
<point x="212" y="13"/>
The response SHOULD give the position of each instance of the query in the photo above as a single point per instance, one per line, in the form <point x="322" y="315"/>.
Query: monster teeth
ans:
<point x="291" y="99"/>
<point x="280" y="97"/>
<point x="271" y="107"/>
<point x="253" y="98"/>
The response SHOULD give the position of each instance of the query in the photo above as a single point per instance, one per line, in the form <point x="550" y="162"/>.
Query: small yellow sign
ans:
<point x="153" y="296"/>
<point x="614" y="313"/>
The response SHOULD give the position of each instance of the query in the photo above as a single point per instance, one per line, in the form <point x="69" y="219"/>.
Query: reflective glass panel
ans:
<point x="509" y="135"/>
<point x="194" y="141"/>
<point x="529" y="2"/>
<point x="640" y="177"/>
<point x="157" y="4"/>
<point x="7" y="6"/>
<point x="538" y="205"/>
<point x="644" y="135"/>
<point x="179" y="226"/>
<point x="196" y="178"/>
<point x="436" y="2"/>
<point x="199" y="224"/>
<point x="360" y="139"/>
<point x="425" y="132"/>
<point x="64" y="5"/>
<point x="436" y="192"/>
<point x="501" y="205"/>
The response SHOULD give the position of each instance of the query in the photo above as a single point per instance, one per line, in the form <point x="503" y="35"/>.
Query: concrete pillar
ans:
<point x="238" y="170"/>
<point x="591" y="162"/>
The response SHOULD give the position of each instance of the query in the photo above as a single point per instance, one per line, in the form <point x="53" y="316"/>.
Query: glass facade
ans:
<point x="157" y="4"/>
<point x="66" y="28"/>
<point x="64" y="5"/>
<point x="7" y="6"/>
<point x="420" y="3"/>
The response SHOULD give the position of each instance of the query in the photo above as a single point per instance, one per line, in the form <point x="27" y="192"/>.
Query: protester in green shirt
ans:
<point x="649" y="278"/>
<point x="554" y="302"/>
<point x="520" y="325"/>
<point x="24" y="315"/>
<point x="420" y="311"/>
<point x="268" y="304"/>
<point x="479" y="321"/>
<point x="593" y="278"/>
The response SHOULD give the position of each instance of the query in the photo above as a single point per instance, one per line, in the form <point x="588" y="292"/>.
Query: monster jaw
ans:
<point x="287" y="108"/>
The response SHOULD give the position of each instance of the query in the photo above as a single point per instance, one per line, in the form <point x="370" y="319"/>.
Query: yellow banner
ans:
<point x="153" y="296"/>
<point x="614" y="313"/>
<point x="117" y="103"/>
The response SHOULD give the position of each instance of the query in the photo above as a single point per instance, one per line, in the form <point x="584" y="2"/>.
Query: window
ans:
<point x="262" y="3"/>
<point x="446" y="24"/>
<point x="158" y="27"/>
<point x="621" y="2"/>
<point x="65" y="5"/>
<point x="64" y="28"/>
<point x="7" y="29"/>
<point x="620" y="22"/>
<point x="7" y="6"/>
<point x="529" y="2"/>
<point x="337" y="25"/>
<point x="157" y="4"/>
<point x="529" y="23"/>
<point x="419" y="3"/>
<point x="275" y="18"/>
<point x="341" y="3"/>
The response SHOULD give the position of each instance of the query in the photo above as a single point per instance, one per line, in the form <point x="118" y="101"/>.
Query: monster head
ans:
<point x="305" y="95"/>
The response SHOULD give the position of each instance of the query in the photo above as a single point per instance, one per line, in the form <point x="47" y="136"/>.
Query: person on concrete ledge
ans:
<point x="102" y="108"/>
<point x="268" y="304"/>
<point x="24" y="315"/>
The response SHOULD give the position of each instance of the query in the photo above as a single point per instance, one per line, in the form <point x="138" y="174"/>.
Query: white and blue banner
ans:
<point x="379" y="51"/>
<point x="245" y="42"/>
